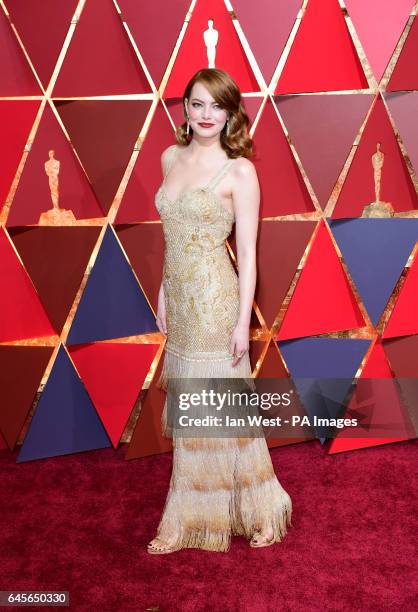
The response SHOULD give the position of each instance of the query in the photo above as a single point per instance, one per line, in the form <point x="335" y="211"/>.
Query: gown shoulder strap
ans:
<point x="219" y="176"/>
<point x="172" y="151"/>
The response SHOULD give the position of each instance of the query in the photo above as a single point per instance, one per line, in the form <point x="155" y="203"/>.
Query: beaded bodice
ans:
<point x="200" y="283"/>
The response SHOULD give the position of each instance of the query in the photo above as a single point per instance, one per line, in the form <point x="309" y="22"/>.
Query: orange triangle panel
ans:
<point x="322" y="301"/>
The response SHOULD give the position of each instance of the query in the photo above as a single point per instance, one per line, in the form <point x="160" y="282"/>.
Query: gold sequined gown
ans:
<point x="219" y="486"/>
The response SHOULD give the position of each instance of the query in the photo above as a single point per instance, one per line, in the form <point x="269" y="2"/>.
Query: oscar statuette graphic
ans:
<point x="378" y="208"/>
<point x="55" y="215"/>
<point x="210" y="37"/>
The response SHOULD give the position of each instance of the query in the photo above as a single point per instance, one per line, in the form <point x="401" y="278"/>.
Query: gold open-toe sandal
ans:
<point x="157" y="546"/>
<point x="259" y="541"/>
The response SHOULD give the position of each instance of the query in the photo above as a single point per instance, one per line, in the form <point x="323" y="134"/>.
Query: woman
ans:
<point x="219" y="486"/>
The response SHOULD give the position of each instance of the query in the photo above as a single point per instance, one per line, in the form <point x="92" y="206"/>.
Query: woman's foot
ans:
<point x="262" y="538"/>
<point x="158" y="546"/>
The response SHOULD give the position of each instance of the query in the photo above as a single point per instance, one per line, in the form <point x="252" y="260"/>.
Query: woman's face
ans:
<point x="206" y="117"/>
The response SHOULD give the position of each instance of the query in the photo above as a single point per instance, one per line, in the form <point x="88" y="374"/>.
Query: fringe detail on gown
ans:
<point x="216" y="493"/>
<point x="198" y="365"/>
<point x="219" y="486"/>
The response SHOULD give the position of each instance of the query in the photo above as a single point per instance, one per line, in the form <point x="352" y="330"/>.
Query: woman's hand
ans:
<point x="161" y="314"/>
<point x="240" y="342"/>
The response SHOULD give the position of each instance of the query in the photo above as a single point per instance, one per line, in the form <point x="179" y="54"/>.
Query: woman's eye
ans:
<point x="196" y="104"/>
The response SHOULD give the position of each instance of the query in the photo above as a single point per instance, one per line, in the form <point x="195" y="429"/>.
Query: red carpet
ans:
<point x="81" y="523"/>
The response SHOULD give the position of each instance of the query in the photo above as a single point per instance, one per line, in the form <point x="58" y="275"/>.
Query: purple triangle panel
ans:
<point x="375" y="251"/>
<point x="322" y="370"/>
<point x="65" y="420"/>
<point x="112" y="305"/>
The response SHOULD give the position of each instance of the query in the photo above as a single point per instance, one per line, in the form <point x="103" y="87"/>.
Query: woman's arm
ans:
<point x="161" y="310"/>
<point x="246" y="201"/>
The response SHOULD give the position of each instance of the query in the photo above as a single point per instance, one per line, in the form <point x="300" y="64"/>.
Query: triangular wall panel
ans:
<point x="56" y="276"/>
<point x="323" y="301"/>
<point x="403" y="319"/>
<point x="379" y="35"/>
<point x="267" y="26"/>
<point x="107" y="67"/>
<point x="283" y="191"/>
<point x="21" y="371"/>
<point x="113" y="375"/>
<point x="104" y="133"/>
<point x="405" y="73"/>
<point x="34" y="194"/>
<point x="21" y="312"/>
<point x="112" y="304"/>
<point x="192" y="55"/>
<point x="17" y="78"/>
<point x="385" y="244"/>
<point x="43" y="42"/>
<point x="65" y="420"/>
<point x="115" y="74"/>
<point x="326" y="125"/>
<point x="359" y="188"/>
<point x="146" y="26"/>
<point x="138" y="202"/>
<point x="323" y="56"/>
<point x="379" y="408"/>
<point x="16" y="119"/>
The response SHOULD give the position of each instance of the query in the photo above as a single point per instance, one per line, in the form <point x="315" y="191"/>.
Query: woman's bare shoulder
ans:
<point x="243" y="162"/>
<point x="167" y="152"/>
<point x="244" y="169"/>
<point x="165" y="156"/>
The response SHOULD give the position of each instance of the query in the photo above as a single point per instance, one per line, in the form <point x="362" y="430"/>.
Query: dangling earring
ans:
<point x="188" y="128"/>
<point x="227" y="127"/>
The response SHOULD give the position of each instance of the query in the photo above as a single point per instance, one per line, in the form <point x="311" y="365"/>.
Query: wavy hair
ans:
<point x="226" y="93"/>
